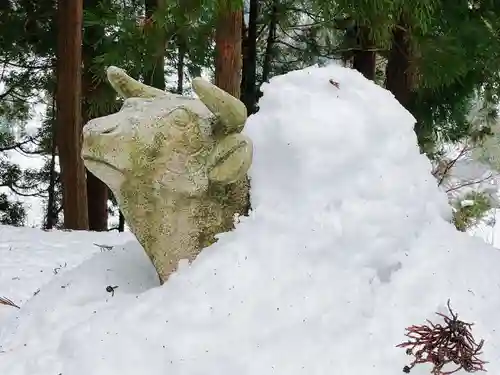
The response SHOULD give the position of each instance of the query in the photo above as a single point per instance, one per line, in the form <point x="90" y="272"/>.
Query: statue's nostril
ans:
<point x="96" y="127"/>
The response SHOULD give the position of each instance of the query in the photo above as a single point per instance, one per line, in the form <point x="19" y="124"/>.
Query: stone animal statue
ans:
<point x="177" y="165"/>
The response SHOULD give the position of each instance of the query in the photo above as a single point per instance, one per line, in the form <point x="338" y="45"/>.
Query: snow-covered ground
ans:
<point x="29" y="258"/>
<point x="348" y="243"/>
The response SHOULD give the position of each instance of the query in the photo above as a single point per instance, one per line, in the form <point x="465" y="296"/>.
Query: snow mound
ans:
<point x="348" y="243"/>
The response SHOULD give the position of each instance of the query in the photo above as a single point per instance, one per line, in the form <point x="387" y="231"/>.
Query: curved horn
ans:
<point x="231" y="112"/>
<point x="127" y="87"/>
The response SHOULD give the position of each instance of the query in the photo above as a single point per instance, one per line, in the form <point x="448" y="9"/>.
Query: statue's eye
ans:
<point x="181" y="117"/>
<point x="109" y="130"/>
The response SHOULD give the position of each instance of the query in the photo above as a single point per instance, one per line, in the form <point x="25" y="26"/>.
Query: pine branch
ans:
<point x="16" y="145"/>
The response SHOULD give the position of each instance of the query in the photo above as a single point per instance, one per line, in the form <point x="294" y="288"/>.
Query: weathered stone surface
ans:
<point x="177" y="165"/>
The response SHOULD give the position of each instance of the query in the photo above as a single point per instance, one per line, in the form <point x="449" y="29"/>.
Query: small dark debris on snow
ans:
<point x="57" y="269"/>
<point x="111" y="289"/>
<point x="104" y="247"/>
<point x="334" y="83"/>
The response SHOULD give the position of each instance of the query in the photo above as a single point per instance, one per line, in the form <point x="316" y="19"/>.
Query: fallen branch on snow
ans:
<point x="7" y="302"/>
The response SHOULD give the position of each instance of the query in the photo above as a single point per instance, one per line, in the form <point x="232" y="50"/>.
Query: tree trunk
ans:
<point x="92" y="90"/>
<point x="156" y="75"/>
<point x="97" y="203"/>
<point x="51" y="214"/>
<point x="249" y="75"/>
<point x="121" y="222"/>
<point x="398" y="75"/>
<point x="271" y="37"/>
<point x="228" y="64"/>
<point x="228" y="49"/>
<point x="69" y="126"/>
<point x="181" y="54"/>
<point x="364" y="56"/>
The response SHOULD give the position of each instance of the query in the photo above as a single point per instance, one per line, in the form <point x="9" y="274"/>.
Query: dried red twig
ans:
<point x="439" y="345"/>
<point x="7" y="302"/>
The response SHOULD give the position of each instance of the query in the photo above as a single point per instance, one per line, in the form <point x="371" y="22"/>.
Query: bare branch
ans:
<point x="470" y="183"/>
<point x="450" y="165"/>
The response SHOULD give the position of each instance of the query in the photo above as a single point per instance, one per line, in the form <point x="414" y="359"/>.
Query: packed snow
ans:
<point x="348" y="243"/>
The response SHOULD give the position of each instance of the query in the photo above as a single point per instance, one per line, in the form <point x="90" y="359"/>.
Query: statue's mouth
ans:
<point x="87" y="158"/>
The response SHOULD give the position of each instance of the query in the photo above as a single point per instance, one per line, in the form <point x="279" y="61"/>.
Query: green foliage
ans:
<point x="27" y="44"/>
<point x="11" y="213"/>
<point x="131" y="40"/>
<point x="458" y="57"/>
<point x="469" y="210"/>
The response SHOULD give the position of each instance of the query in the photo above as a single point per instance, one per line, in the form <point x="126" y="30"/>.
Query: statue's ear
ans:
<point x="127" y="87"/>
<point x="230" y="159"/>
